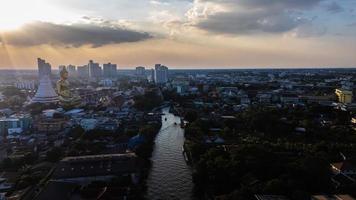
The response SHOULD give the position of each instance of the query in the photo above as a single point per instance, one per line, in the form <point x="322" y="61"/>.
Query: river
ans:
<point x="170" y="176"/>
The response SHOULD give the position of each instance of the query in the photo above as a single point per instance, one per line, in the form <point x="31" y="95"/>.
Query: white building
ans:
<point x="25" y="85"/>
<point x="15" y="123"/>
<point x="45" y="92"/>
<point x="95" y="70"/>
<point x="110" y="70"/>
<point x="161" y="74"/>
<point x="151" y="77"/>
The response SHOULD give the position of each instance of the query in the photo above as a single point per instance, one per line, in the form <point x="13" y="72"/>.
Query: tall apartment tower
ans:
<point x="60" y="68"/>
<point x="140" y="71"/>
<point x="72" y="70"/>
<point x="83" y="71"/>
<point x="161" y="74"/>
<point x="110" y="70"/>
<point x="152" y="76"/>
<point x="44" y="68"/>
<point x="95" y="70"/>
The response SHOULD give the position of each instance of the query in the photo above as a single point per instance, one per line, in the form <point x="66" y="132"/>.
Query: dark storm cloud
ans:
<point x="256" y="16"/>
<point x="75" y="35"/>
<point x="289" y="4"/>
<point x="241" y="23"/>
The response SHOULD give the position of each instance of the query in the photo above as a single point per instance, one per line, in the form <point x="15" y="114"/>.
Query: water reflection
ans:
<point x="170" y="177"/>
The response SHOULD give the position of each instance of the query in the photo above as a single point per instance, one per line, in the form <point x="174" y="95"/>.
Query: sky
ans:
<point x="179" y="33"/>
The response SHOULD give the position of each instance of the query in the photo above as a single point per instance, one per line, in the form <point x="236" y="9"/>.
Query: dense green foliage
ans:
<point x="148" y="101"/>
<point x="264" y="154"/>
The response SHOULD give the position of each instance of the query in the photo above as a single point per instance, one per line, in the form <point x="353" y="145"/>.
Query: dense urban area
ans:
<point x="159" y="133"/>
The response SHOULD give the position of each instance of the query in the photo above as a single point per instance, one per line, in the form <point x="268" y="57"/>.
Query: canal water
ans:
<point x="170" y="176"/>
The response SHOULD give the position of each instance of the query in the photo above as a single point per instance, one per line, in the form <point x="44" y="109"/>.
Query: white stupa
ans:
<point x="45" y="92"/>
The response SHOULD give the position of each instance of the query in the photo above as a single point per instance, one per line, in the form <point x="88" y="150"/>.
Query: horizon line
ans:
<point x="203" y="68"/>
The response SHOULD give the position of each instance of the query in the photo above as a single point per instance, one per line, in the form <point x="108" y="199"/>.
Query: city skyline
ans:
<point x="179" y="33"/>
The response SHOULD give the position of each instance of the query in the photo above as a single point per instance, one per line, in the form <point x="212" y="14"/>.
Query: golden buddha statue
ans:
<point x="66" y="98"/>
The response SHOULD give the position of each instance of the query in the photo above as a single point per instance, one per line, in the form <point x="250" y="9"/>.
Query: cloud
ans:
<point x="308" y="29"/>
<point x="268" y="3"/>
<point x="249" y="16"/>
<point x="242" y="23"/>
<point x="353" y="24"/>
<point x="97" y="33"/>
<point x="334" y="7"/>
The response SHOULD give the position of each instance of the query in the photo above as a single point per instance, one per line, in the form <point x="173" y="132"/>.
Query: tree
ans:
<point x="149" y="100"/>
<point x="3" y="105"/>
<point x="12" y="91"/>
<point x="37" y="108"/>
<point x="7" y="163"/>
<point x="193" y="131"/>
<point x="77" y="132"/>
<point x="275" y="186"/>
<point x="54" y="154"/>
<point x="191" y="116"/>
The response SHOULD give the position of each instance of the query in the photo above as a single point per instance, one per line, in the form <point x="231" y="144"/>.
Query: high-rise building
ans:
<point x="151" y="77"/>
<point x="161" y="74"/>
<point x="344" y="96"/>
<point x="60" y="68"/>
<point x="95" y="70"/>
<point x="44" y="68"/>
<point x="72" y="70"/>
<point x="140" y="71"/>
<point x="83" y="71"/>
<point x="110" y="70"/>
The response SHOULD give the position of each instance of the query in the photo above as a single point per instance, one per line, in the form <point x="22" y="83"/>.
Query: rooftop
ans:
<point x="96" y="165"/>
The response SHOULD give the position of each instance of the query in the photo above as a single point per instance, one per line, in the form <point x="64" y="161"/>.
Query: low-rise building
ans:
<point x="344" y="96"/>
<point x="50" y="124"/>
<point x="84" y="169"/>
<point x="23" y="122"/>
<point x="289" y="99"/>
<point x="88" y="124"/>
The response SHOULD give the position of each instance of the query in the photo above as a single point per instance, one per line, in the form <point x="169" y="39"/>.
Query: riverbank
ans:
<point x="170" y="177"/>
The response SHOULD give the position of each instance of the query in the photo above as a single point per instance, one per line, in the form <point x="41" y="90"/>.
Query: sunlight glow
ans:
<point x="15" y="13"/>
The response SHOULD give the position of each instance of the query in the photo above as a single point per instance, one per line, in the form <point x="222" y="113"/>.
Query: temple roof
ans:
<point x="45" y="92"/>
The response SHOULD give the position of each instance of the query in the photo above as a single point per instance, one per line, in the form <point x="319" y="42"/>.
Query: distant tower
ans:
<point x="110" y="70"/>
<point x="44" y="68"/>
<point x="152" y="76"/>
<point x="72" y="70"/>
<point x="95" y="70"/>
<point x="161" y="74"/>
<point x="60" y="68"/>
<point x="83" y="71"/>
<point x="45" y="92"/>
<point x="140" y="71"/>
